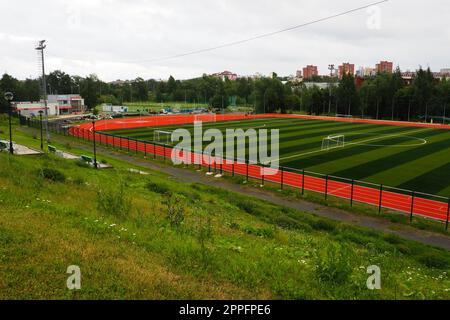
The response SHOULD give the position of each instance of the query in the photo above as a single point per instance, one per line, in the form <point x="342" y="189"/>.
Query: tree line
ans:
<point x="383" y="96"/>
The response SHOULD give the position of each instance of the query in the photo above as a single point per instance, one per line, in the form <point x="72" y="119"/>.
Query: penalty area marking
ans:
<point x="362" y="143"/>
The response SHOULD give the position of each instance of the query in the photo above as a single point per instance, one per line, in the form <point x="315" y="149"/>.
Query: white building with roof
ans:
<point x="56" y="105"/>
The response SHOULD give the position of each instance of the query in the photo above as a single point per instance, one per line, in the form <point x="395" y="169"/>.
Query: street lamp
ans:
<point x="40" y="121"/>
<point x="95" y="147"/>
<point x="8" y="97"/>
<point x="331" y="68"/>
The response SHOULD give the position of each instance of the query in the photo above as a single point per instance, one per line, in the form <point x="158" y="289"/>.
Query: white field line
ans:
<point x="352" y="143"/>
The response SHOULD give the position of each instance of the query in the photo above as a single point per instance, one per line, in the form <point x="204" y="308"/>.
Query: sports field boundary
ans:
<point x="408" y="202"/>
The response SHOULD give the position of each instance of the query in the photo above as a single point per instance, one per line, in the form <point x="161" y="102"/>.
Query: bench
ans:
<point x="51" y="149"/>
<point x="87" y="159"/>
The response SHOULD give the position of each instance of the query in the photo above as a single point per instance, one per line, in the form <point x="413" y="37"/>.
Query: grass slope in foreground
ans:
<point x="151" y="237"/>
<point x="405" y="157"/>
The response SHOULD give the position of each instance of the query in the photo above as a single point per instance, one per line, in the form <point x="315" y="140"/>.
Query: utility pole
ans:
<point x="40" y="48"/>
<point x="331" y="68"/>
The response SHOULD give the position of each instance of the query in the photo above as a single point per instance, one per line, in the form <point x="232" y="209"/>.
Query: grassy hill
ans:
<point x="152" y="237"/>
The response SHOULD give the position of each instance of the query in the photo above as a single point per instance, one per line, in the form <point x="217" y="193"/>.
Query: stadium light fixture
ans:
<point x="40" y="47"/>
<point x="9" y="97"/>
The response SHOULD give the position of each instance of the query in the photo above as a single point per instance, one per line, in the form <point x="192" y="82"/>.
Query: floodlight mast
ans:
<point x="41" y="46"/>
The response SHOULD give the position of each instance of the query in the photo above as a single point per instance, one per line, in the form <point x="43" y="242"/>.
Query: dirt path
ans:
<point x="183" y="175"/>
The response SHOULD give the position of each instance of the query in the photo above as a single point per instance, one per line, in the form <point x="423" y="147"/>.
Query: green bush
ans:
<point x="323" y="225"/>
<point x="260" y="232"/>
<point x="248" y="206"/>
<point x="333" y="265"/>
<point x="175" y="210"/>
<point x="434" y="260"/>
<point x="286" y="222"/>
<point x="114" y="201"/>
<point x="158" y="188"/>
<point x="53" y="175"/>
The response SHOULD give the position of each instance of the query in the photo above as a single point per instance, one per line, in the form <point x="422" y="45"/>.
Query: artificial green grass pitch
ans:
<point x="404" y="157"/>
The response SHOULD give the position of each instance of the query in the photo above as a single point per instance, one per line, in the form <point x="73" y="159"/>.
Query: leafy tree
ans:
<point x="347" y="95"/>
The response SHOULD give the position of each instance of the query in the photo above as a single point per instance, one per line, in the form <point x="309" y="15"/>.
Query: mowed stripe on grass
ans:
<point x="396" y="156"/>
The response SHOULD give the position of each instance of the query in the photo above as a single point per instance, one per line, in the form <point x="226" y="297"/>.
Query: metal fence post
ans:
<point x="303" y="182"/>
<point x="282" y="178"/>
<point x="262" y="174"/>
<point x="136" y="146"/>
<point x="154" y="151"/>
<point x="128" y="138"/>
<point x="326" y="187"/>
<point x="246" y="174"/>
<point x="232" y="169"/>
<point x="145" y="149"/>
<point x="412" y="206"/>
<point x="380" y="205"/>
<point x="351" y="193"/>
<point x="448" y="214"/>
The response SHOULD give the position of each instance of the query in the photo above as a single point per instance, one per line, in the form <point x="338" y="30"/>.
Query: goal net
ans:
<point x="161" y="136"/>
<point x="207" y="117"/>
<point x="332" y="142"/>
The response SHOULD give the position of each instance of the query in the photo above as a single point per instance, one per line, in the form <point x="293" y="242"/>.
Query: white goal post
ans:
<point x="162" y="136"/>
<point x="332" y="142"/>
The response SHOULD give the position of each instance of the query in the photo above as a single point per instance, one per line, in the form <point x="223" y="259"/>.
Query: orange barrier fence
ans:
<point x="405" y="201"/>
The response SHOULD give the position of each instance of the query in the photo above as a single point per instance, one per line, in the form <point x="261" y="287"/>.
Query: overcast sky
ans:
<point x="115" y="39"/>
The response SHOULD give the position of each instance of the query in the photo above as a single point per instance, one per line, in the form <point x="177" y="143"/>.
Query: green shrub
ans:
<point x="205" y="235"/>
<point x="175" y="210"/>
<point x="323" y="225"/>
<point x="286" y="222"/>
<point x="260" y="232"/>
<point x="158" y="188"/>
<point x="333" y="265"/>
<point x="114" y="201"/>
<point x="52" y="174"/>
<point x="248" y="206"/>
<point x="434" y="260"/>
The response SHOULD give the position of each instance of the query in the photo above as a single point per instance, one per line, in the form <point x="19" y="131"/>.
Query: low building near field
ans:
<point x="57" y="105"/>
<point x="114" y="109"/>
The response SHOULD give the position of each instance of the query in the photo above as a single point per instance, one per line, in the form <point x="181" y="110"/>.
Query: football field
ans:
<point x="411" y="158"/>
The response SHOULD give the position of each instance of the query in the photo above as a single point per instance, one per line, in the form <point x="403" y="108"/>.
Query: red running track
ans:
<point x="406" y="203"/>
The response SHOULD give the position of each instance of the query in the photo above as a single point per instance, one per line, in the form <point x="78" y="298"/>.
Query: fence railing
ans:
<point x="409" y="202"/>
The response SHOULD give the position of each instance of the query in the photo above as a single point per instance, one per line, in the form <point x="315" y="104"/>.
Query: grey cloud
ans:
<point x="106" y="36"/>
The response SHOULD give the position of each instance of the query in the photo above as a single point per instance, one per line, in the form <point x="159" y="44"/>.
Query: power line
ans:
<point x="265" y="35"/>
